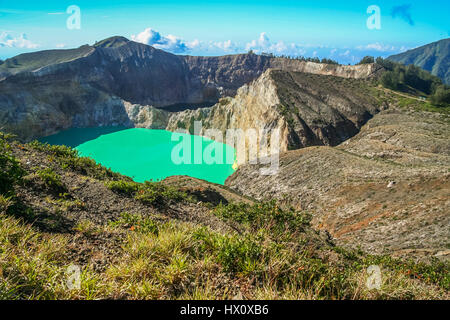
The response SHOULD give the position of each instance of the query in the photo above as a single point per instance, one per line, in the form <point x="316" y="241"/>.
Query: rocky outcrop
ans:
<point x="222" y="76"/>
<point x="362" y="71"/>
<point x="41" y="110"/>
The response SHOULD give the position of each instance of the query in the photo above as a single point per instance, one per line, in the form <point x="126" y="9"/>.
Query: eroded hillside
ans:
<point x="386" y="189"/>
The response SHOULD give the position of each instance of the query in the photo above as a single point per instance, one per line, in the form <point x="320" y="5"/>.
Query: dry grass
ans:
<point x="175" y="265"/>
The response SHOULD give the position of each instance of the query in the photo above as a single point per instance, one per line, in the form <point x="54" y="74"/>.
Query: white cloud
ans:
<point x="7" y="39"/>
<point x="264" y="44"/>
<point x="261" y="44"/>
<point x="175" y="44"/>
<point x="217" y="47"/>
<point x="169" y="43"/>
<point x="377" y="47"/>
<point x="60" y="45"/>
<point x="227" y="46"/>
<point x="194" y="44"/>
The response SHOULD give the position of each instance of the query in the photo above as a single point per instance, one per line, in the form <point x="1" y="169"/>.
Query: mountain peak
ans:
<point x="433" y="57"/>
<point x="112" y="42"/>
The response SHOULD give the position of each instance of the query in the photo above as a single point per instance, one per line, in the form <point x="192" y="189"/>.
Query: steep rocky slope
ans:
<point x="307" y="109"/>
<point x="386" y="189"/>
<point x="44" y="92"/>
<point x="433" y="57"/>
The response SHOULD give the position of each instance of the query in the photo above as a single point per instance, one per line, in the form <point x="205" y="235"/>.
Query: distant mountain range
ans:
<point x="119" y="82"/>
<point x="44" y="92"/>
<point x="433" y="57"/>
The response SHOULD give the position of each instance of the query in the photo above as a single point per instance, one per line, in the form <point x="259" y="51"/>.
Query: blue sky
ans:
<point x="332" y="29"/>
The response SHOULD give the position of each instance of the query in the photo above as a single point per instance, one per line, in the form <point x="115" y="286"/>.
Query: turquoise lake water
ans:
<point x="146" y="155"/>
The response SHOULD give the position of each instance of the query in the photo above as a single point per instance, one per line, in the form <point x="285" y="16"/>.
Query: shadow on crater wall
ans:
<point x="75" y="136"/>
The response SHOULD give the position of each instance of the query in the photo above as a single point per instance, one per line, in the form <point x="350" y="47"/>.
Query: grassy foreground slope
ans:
<point x="163" y="241"/>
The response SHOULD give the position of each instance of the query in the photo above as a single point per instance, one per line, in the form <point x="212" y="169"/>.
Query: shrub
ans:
<point x="239" y="255"/>
<point x="265" y="215"/>
<point x="367" y="60"/>
<point x="329" y="61"/>
<point x="387" y="64"/>
<point x="128" y="188"/>
<point x="51" y="180"/>
<point x="56" y="150"/>
<point x="234" y="253"/>
<point x="88" y="167"/>
<point x="441" y="96"/>
<point x="390" y="80"/>
<point x="149" y="193"/>
<point x="137" y="223"/>
<point x="10" y="171"/>
<point x="153" y="193"/>
<point x="400" y="77"/>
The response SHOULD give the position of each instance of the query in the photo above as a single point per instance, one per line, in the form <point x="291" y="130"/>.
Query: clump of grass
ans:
<point x="5" y="203"/>
<point x="150" y="193"/>
<point x="66" y="202"/>
<point x="137" y="223"/>
<point x="51" y="180"/>
<point x="11" y="172"/>
<point x="436" y="272"/>
<point x="87" y="227"/>
<point x="241" y="255"/>
<point x="153" y="193"/>
<point x="128" y="188"/>
<point x="265" y="215"/>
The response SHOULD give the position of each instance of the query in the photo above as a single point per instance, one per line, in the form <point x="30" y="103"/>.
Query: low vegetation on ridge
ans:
<point x="408" y="78"/>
